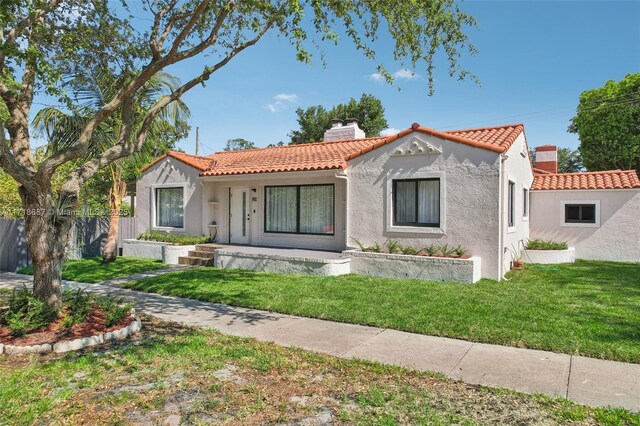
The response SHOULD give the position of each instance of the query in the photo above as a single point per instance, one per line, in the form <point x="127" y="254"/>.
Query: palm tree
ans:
<point x="92" y="88"/>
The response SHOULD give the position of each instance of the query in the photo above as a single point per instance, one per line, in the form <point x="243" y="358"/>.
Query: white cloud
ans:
<point x="405" y="74"/>
<point x="281" y="100"/>
<point x="376" y="76"/>
<point x="389" y="131"/>
<point x="286" y="97"/>
<point x="401" y="74"/>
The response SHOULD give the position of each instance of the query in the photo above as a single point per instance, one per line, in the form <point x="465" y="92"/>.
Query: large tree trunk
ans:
<point x="47" y="235"/>
<point x="116" y="193"/>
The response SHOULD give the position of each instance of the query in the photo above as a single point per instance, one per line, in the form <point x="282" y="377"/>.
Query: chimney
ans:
<point x="547" y="158"/>
<point x="341" y="132"/>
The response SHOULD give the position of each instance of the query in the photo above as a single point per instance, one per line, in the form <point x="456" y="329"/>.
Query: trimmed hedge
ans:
<point x="182" y="240"/>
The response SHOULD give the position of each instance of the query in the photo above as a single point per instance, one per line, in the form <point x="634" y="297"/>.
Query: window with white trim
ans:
<point x="580" y="213"/>
<point x="511" y="204"/>
<point x="525" y="202"/>
<point x="170" y="207"/>
<point x="416" y="202"/>
<point x="300" y="209"/>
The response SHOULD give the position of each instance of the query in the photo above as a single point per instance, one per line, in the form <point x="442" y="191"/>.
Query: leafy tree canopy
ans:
<point x="239" y="144"/>
<point x="607" y="122"/>
<point x="315" y="120"/>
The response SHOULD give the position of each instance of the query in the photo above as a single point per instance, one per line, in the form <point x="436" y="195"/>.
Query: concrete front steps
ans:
<point x="201" y="256"/>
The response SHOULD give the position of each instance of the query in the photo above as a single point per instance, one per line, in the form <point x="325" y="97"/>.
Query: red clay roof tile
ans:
<point x="197" y="162"/>
<point x="609" y="179"/>
<point x="336" y="154"/>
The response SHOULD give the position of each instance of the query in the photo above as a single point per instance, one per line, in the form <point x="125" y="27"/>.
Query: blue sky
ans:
<point x="534" y="60"/>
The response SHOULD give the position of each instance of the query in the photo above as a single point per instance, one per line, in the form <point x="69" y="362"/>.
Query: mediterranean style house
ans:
<point x="474" y="187"/>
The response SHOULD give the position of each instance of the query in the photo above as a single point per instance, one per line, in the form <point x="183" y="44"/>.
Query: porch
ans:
<point x="269" y="259"/>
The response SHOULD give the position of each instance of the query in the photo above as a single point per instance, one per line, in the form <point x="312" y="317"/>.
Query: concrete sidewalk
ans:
<point x="584" y="380"/>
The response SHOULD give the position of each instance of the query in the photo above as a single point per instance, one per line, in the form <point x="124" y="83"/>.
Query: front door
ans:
<point x="239" y="215"/>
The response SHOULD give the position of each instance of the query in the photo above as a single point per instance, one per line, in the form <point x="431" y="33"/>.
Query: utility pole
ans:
<point x="197" y="140"/>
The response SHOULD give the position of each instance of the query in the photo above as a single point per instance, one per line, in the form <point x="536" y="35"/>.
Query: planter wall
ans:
<point x="171" y="253"/>
<point x="224" y="258"/>
<point x="419" y="267"/>
<point x="549" y="256"/>
<point x="139" y="248"/>
<point x="168" y="253"/>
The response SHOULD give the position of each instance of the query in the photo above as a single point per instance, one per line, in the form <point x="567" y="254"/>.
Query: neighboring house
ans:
<point x="598" y="213"/>
<point x="420" y="187"/>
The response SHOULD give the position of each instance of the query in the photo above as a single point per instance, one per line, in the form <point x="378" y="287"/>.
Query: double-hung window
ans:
<point x="416" y="202"/>
<point x="169" y="207"/>
<point x="299" y="209"/>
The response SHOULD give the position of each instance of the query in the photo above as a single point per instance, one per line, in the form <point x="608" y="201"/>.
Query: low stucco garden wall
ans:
<point x="419" y="267"/>
<point x="549" y="256"/>
<point x="168" y="253"/>
<point x="281" y="264"/>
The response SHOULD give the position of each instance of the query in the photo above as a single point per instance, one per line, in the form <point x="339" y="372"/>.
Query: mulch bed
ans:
<point x="94" y="324"/>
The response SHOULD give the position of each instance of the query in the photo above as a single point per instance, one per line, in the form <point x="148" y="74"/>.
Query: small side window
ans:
<point x="579" y="213"/>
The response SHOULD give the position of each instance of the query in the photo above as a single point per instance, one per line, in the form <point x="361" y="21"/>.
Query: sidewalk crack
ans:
<point x="566" y="394"/>
<point x="460" y="360"/>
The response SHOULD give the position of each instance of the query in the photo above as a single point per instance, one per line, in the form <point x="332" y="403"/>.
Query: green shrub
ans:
<point x="459" y="251"/>
<point x="78" y="304"/>
<point x="430" y="250"/>
<point x="183" y="240"/>
<point x="410" y="250"/>
<point x="114" y="309"/>
<point x="25" y="313"/>
<point x="445" y="250"/>
<point x="538" y="244"/>
<point x="393" y="246"/>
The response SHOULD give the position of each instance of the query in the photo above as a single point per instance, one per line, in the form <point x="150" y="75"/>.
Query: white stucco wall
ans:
<point x="471" y="196"/>
<point x="516" y="167"/>
<point x="217" y="189"/>
<point x="616" y="238"/>
<point x="166" y="172"/>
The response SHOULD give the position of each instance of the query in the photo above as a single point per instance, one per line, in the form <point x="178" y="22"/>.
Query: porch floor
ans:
<point x="280" y="252"/>
<point x="280" y="260"/>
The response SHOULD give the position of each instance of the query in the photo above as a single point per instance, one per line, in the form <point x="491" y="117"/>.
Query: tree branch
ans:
<point x="123" y="148"/>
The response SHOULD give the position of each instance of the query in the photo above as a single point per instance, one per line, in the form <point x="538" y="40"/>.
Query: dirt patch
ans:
<point x="171" y="374"/>
<point x="94" y="324"/>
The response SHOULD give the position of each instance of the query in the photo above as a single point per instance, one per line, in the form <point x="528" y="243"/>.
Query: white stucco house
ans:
<point x="474" y="187"/>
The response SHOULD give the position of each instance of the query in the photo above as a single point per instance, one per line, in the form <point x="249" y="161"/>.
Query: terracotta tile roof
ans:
<point x="291" y="158"/>
<point x="201" y="163"/>
<point x="610" y="179"/>
<point x="335" y="154"/>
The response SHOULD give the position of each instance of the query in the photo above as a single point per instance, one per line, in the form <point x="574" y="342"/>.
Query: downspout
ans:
<point x="205" y="229"/>
<point x="341" y="174"/>
<point x="501" y="247"/>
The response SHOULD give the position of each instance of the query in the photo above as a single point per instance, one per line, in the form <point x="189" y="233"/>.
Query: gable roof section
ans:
<point x="335" y="154"/>
<point x="197" y="162"/>
<point x="610" y="179"/>
<point x="291" y="158"/>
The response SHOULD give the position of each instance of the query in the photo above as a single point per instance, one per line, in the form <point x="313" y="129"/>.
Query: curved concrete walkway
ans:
<point x="584" y="380"/>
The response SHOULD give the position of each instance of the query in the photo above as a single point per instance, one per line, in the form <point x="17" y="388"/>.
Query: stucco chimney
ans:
<point x="341" y="132"/>
<point x="547" y="158"/>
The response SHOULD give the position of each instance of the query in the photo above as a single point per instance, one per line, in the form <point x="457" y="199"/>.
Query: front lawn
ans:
<point x="173" y="374"/>
<point x="589" y="308"/>
<point x="92" y="270"/>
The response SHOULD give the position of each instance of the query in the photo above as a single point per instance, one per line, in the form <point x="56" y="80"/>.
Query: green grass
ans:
<point x="171" y="370"/>
<point x="589" y="308"/>
<point x="92" y="270"/>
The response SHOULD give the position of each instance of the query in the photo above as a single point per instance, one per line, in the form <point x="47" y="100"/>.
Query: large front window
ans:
<point x="169" y="207"/>
<point x="416" y="202"/>
<point x="299" y="209"/>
